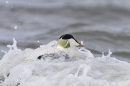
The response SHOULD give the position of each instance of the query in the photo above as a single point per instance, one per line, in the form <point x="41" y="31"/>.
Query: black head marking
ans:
<point x="67" y="36"/>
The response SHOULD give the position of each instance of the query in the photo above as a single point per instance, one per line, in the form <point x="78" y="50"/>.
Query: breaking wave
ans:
<point x="69" y="67"/>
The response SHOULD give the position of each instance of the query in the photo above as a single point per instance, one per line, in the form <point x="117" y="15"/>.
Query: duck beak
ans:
<point x="80" y="45"/>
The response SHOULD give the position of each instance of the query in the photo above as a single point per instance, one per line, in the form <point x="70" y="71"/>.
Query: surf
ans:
<point x="68" y="67"/>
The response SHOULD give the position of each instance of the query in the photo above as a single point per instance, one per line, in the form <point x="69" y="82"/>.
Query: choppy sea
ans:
<point x="101" y="25"/>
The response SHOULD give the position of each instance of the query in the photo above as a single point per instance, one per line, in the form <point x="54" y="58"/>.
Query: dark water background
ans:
<point x="101" y="24"/>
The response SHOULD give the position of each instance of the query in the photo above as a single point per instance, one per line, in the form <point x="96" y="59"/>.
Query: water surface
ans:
<point x="101" y="25"/>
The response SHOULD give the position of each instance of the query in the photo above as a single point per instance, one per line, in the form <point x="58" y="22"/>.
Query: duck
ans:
<point x="68" y="41"/>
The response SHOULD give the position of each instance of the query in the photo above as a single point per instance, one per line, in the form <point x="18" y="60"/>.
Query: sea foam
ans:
<point x="68" y="67"/>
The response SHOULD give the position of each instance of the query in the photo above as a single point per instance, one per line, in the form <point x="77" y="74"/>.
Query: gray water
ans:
<point x="100" y="24"/>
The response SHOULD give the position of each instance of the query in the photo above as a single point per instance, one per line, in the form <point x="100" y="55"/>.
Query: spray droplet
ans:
<point x="109" y="53"/>
<point x="103" y="55"/>
<point x="38" y="41"/>
<point x="7" y="2"/>
<point x="82" y="42"/>
<point x="36" y="18"/>
<point x="15" y="27"/>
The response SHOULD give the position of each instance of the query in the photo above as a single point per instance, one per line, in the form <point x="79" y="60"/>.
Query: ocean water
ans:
<point x="30" y="28"/>
<point x="101" y="25"/>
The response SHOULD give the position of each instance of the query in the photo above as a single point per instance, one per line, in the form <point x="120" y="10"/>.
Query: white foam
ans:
<point x="69" y="67"/>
